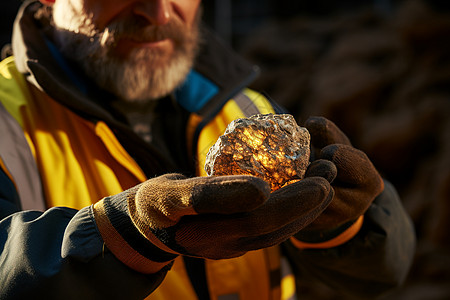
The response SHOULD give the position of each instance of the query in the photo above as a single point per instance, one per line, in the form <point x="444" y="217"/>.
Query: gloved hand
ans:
<point x="210" y="217"/>
<point x="356" y="182"/>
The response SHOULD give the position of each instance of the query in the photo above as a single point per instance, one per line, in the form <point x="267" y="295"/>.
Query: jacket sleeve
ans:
<point x="375" y="261"/>
<point x="59" y="254"/>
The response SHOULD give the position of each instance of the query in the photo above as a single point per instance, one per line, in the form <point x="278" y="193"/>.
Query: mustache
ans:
<point x="140" y="31"/>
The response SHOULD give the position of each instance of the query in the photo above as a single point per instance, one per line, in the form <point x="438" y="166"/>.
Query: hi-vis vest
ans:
<point x="56" y="158"/>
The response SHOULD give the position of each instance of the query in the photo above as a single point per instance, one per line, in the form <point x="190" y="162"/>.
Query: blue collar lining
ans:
<point x="195" y="92"/>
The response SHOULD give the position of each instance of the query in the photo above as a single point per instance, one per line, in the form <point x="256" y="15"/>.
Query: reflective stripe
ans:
<point x="18" y="159"/>
<point x="246" y="105"/>
<point x="20" y="163"/>
<point x="251" y="103"/>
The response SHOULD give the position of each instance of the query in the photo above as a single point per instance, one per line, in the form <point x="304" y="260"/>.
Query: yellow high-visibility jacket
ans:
<point x="63" y="148"/>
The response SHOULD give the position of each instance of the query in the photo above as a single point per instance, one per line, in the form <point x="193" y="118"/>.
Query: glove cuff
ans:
<point x="124" y="240"/>
<point x="347" y="234"/>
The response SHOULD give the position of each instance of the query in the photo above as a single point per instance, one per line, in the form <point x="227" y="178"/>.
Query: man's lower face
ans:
<point x="135" y="61"/>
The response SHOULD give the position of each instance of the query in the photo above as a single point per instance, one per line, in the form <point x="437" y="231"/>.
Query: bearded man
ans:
<point x="107" y="111"/>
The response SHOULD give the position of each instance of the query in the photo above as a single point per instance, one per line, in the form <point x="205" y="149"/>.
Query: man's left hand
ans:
<point x="356" y="181"/>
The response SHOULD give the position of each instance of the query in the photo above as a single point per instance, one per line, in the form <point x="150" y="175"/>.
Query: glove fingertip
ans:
<point x="324" y="132"/>
<point x="173" y="176"/>
<point x="315" y="121"/>
<point x="230" y="194"/>
<point x="322" y="168"/>
<point x="329" y="151"/>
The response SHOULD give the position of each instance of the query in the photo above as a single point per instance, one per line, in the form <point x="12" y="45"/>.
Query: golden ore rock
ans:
<point x="272" y="147"/>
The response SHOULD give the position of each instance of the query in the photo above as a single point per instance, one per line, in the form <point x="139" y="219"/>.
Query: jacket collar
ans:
<point x="218" y="74"/>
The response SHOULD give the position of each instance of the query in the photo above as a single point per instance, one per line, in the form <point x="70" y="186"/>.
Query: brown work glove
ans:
<point x="356" y="181"/>
<point x="147" y="226"/>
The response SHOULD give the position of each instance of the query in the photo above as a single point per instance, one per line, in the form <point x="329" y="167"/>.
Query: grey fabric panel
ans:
<point x="228" y="297"/>
<point x="246" y="105"/>
<point x="18" y="159"/>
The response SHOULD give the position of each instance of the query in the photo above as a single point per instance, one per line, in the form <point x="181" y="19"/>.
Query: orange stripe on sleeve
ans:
<point x="120" y="248"/>
<point x="345" y="236"/>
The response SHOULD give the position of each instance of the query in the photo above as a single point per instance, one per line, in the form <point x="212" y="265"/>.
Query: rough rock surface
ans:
<point x="272" y="147"/>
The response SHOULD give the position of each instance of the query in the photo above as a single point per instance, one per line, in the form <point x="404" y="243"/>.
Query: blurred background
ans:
<point x="8" y="10"/>
<point x="381" y="71"/>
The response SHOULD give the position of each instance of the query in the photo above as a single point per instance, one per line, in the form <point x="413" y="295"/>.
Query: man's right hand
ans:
<point x="209" y="217"/>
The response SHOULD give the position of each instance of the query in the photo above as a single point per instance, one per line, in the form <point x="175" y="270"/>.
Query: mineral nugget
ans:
<point x="272" y="147"/>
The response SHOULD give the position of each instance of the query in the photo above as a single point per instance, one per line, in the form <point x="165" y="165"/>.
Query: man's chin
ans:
<point x="140" y="83"/>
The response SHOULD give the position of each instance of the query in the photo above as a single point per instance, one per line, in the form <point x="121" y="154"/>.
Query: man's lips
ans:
<point x="147" y="43"/>
<point x="126" y="45"/>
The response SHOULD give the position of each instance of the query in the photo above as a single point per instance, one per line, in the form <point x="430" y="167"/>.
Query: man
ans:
<point x="108" y="108"/>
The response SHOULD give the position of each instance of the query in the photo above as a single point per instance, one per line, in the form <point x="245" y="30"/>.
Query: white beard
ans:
<point x="139" y="77"/>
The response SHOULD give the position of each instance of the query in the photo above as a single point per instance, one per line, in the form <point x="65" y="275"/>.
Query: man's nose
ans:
<point x="156" y="12"/>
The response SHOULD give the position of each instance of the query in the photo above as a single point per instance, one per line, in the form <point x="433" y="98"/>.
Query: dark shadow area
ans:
<point x="383" y="75"/>
<point x="9" y="10"/>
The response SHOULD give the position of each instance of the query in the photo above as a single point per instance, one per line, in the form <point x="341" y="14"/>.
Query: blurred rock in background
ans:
<point x="383" y="76"/>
